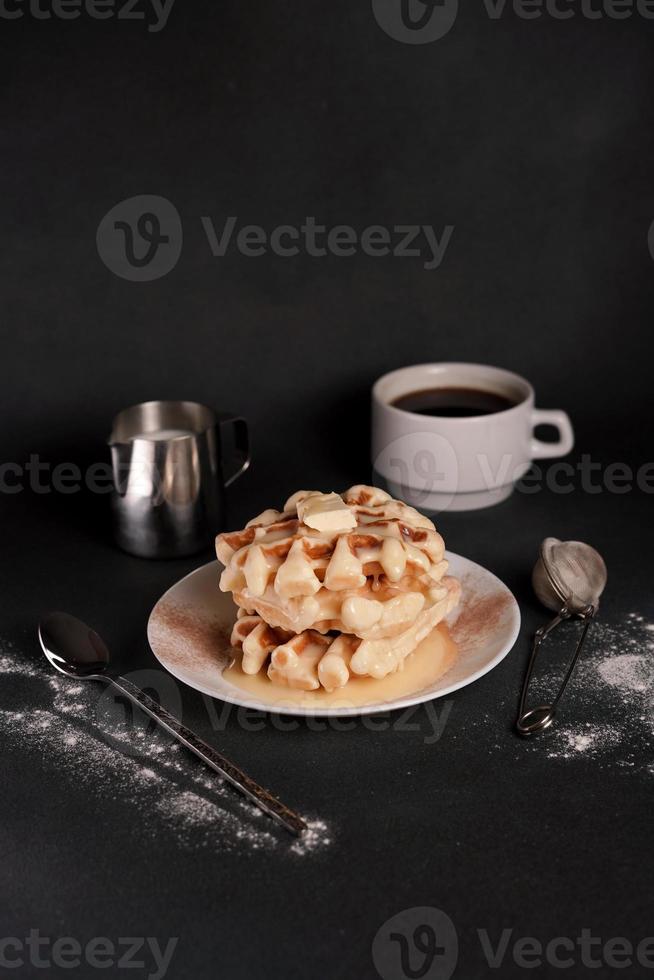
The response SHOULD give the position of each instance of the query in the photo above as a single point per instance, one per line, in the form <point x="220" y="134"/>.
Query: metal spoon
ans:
<point x="74" y="649"/>
<point x="569" y="578"/>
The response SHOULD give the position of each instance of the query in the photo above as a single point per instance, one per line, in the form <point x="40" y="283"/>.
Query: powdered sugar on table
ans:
<point x="615" y="678"/>
<point x="113" y="756"/>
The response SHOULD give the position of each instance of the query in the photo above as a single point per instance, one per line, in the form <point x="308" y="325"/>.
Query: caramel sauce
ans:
<point x="422" y="668"/>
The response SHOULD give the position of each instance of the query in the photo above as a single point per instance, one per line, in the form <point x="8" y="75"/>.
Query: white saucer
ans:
<point x="432" y="502"/>
<point x="189" y="631"/>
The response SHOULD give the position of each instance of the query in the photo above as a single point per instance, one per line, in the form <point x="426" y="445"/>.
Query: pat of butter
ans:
<point x="326" y="512"/>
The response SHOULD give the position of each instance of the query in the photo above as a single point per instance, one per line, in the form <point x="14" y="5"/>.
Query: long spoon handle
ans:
<point x="257" y="794"/>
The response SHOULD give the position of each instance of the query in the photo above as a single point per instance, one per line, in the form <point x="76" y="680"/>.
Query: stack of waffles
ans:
<point x="335" y="586"/>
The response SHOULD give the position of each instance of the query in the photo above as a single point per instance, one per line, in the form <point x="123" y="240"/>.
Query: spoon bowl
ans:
<point x="72" y="647"/>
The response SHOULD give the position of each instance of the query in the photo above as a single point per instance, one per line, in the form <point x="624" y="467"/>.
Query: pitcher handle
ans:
<point x="241" y="443"/>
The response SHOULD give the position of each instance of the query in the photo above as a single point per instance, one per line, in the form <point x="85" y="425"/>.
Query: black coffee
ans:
<point x="454" y="402"/>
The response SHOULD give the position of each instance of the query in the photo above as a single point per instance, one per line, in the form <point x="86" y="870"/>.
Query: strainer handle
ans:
<point x="541" y="634"/>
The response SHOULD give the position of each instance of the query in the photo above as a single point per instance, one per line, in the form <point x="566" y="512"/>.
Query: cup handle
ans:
<point x="560" y="421"/>
<point x="241" y="442"/>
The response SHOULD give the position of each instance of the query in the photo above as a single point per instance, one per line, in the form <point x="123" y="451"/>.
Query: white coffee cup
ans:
<point x="459" y="463"/>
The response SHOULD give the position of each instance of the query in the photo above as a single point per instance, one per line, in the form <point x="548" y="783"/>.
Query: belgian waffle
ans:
<point x="309" y="660"/>
<point x="371" y="578"/>
<point x="335" y="586"/>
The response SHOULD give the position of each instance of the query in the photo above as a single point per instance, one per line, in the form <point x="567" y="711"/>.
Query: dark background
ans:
<point x="534" y="139"/>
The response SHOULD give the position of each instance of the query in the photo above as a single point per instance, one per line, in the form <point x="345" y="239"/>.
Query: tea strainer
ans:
<point x="569" y="578"/>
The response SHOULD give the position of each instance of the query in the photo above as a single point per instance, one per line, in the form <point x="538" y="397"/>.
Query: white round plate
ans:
<point x="190" y="626"/>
